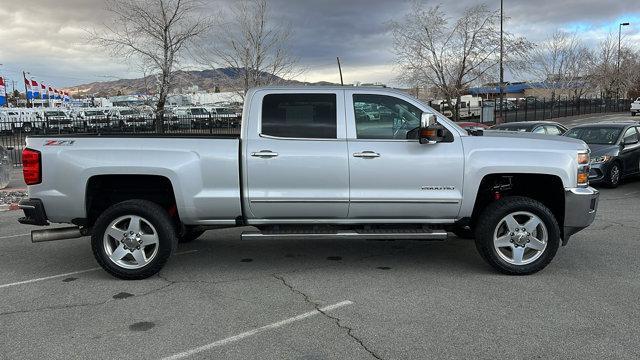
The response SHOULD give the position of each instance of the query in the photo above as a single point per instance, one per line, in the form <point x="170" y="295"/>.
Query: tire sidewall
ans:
<point x="491" y="217"/>
<point x="152" y="213"/>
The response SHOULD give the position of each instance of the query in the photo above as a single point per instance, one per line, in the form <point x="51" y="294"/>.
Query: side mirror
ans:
<point x="630" y="142"/>
<point x="430" y="132"/>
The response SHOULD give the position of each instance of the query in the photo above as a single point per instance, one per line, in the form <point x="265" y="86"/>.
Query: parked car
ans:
<point x="129" y="118"/>
<point x="5" y="167"/>
<point x="635" y="107"/>
<point x="615" y="151"/>
<point x="536" y="127"/>
<point x="56" y="119"/>
<point x="472" y="127"/>
<point x="93" y="118"/>
<point x="13" y="120"/>
<point x="192" y="116"/>
<point x="305" y="166"/>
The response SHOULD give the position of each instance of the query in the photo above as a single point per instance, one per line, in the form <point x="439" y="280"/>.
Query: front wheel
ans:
<point x="133" y="239"/>
<point x="612" y="177"/>
<point x="517" y="235"/>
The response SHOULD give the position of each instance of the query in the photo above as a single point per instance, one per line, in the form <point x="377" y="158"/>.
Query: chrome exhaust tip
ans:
<point x="71" y="232"/>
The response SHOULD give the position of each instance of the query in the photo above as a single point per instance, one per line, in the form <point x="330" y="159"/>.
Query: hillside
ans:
<point x="205" y="80"/>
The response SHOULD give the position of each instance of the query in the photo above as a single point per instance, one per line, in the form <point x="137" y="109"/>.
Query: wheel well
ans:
<point x="548" y="189"/>
<point x="106" y="190"/>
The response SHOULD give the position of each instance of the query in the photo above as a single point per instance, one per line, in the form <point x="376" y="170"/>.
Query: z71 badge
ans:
<point x="59" y="142"/>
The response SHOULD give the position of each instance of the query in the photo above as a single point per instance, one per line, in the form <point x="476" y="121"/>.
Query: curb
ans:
<point x="12" y="206"/>
<point x="9" y="207"/>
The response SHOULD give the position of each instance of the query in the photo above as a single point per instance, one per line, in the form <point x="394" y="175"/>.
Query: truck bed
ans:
<point x="204" y="171"/>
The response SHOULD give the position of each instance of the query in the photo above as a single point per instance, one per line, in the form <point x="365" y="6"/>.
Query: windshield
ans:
<point x="596" y="135"/>
<point x="129" y="112"/>
<point x="199" y="111"/>
<point x="93" y="113"/>
<point x="224" y="111"/>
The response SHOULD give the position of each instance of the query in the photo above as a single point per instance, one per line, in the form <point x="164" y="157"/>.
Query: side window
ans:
<point x="553" y="130"/>
<point x="539" y="130"/>
<point x="300" y="115"/>
<point x="384" y="117"/>
<point x="630" y="136"/>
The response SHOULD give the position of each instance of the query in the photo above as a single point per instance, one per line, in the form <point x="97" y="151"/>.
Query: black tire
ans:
<point x="190" y="233"/>
<point x="26" y="128"/>
<point x="153" y="213"/>
<point x="610" y="179"/>
<point x="490" y="219"/>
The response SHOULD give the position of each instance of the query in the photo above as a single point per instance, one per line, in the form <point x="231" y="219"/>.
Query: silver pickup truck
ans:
<point x="313" y="162"/>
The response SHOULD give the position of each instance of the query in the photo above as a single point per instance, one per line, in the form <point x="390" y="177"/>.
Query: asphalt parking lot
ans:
<point x="224" y="298"/>
<point x="379" y="299"/>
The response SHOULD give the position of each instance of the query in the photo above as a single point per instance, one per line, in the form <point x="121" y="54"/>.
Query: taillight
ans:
<point x="31" y="166"/>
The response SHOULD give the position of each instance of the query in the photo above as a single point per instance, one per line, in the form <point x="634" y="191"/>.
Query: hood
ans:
<point x="603" y="149"/>
<point x="528" y="135"/>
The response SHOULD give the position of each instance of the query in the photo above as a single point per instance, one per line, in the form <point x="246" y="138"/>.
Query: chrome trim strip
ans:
<point x="411" y="201"/>
<point x="298" y="201"/>
<point x="364" y="201"/>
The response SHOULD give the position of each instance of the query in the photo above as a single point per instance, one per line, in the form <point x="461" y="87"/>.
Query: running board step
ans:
<point x="348" y="234"/>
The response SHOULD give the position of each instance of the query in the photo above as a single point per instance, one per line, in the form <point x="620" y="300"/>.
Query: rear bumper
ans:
<point x="581" y="205"/>
<point x="34" y="213"/>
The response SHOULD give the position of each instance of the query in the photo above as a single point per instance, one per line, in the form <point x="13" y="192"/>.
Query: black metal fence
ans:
<point x="534" y="109"/>
<point x="13" y="132"/>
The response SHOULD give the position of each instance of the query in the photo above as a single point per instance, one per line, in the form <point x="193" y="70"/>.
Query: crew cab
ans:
<point x="306" y="165"/>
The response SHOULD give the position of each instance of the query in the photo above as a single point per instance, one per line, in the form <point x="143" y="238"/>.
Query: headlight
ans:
<point x="601" y="159"/>
<point x="583" y="168"/>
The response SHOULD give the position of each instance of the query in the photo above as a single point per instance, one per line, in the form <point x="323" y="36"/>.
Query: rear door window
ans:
<point x="312" y="116"/>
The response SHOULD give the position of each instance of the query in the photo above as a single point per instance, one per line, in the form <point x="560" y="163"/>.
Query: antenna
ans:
<point x="340" y="70"/>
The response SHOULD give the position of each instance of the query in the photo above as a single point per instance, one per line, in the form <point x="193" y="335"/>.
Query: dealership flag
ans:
<point x="43" y="91"/>
<point x="29" y="93"/>
<point x="3" y="93"/>
<point x="35" y="89"/>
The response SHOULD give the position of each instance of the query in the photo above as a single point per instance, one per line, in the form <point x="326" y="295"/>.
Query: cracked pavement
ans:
<point x="411" y="300"/>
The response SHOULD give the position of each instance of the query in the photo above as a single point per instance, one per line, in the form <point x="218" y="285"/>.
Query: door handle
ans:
<point x="264" y="154"/>
<point x="366" y="154"/>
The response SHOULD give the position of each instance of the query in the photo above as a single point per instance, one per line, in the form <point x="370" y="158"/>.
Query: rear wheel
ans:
<point x="517" y="235"/>
<point x="133" y="239"/>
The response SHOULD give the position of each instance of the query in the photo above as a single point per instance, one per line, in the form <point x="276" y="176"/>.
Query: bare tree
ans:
<point x="252" y="47"/>
<point x="603" y="67"/>
<point x="559" y="64"/>
<point x="158" y="34"/>
<point x="434" y="52"/>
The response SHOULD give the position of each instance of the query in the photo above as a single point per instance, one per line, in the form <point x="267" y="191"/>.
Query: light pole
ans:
<point x="618" y="63"/>
<point x="501" y="66"/>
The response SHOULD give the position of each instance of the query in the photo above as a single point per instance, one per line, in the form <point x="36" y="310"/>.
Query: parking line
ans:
<point x="12" y="236"/>
<point x="71" y="273"/>
<point x="257" y="331"/>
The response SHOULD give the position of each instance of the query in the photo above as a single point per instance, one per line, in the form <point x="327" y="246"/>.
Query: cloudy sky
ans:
<point x="46" y="37"/>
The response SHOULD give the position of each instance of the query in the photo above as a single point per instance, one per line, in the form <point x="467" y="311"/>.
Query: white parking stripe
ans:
<point x="12" y="236"/>
<point x="47" y="277"/>
<point x="72" y="273"/>
<point x="256" y="331"/>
